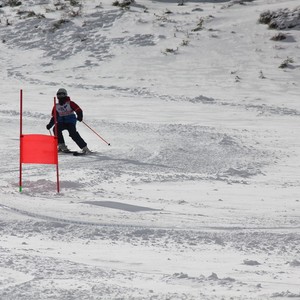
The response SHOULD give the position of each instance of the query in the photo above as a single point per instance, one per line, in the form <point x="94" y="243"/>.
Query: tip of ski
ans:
<point x="76" y="153"/>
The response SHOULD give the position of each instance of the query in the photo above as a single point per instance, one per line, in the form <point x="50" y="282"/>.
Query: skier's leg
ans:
<point x="61" y="141"/>
<point x="60" y="136"/>
<point x="76" y="136"/>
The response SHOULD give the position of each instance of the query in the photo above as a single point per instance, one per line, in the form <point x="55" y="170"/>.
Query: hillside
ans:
<point x="198" y="195"/>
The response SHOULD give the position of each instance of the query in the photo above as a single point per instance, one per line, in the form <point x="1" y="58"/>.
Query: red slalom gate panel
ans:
<point x="38" y="149"/>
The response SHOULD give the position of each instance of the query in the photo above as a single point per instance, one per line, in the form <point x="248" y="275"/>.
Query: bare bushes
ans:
<point x="281" y="19"/>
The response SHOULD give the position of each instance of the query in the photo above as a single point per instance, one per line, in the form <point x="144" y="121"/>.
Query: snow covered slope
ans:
<point x="198" y="195"/>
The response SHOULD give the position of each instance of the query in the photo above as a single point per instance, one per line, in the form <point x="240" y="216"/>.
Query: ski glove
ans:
<point x="48" y="126"/>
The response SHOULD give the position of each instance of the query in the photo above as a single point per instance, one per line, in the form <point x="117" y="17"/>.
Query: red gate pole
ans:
<point x="55" y="133"/>
<point x="21" y="129"/>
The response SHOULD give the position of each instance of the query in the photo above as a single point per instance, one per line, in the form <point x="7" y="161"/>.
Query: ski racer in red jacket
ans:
<point x="67" y="113"/>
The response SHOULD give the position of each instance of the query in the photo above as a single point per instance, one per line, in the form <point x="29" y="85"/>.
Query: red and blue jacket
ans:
<point x="65" y="112"/>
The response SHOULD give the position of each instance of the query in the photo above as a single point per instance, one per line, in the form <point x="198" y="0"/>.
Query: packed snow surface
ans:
<point x="198" y="195"/>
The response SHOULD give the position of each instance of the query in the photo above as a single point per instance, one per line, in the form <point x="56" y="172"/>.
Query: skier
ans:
<point x="67" y="112"/>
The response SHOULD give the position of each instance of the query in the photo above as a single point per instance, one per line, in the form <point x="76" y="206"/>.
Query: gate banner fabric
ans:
<point x="38" y="149"/>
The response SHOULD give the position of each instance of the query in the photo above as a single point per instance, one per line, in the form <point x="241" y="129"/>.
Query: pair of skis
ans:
<point x="76" y="153"/>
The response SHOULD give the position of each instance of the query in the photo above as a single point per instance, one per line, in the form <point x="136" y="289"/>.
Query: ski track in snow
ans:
<point x="198" y="196"/>
<point x="247" y="243"/>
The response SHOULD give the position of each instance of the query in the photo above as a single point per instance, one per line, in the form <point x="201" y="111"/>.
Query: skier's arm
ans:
<point x="52" y="121"/>
<point x="50" y="124"/>
<point x="77" y="110"/>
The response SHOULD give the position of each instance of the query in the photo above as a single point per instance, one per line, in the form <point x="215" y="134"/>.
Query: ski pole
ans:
<point x="96" y="133"/>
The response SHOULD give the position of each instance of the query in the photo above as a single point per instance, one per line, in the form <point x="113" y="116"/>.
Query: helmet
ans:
<point x="62" y="95"/>
<point x="62" y="92"/>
